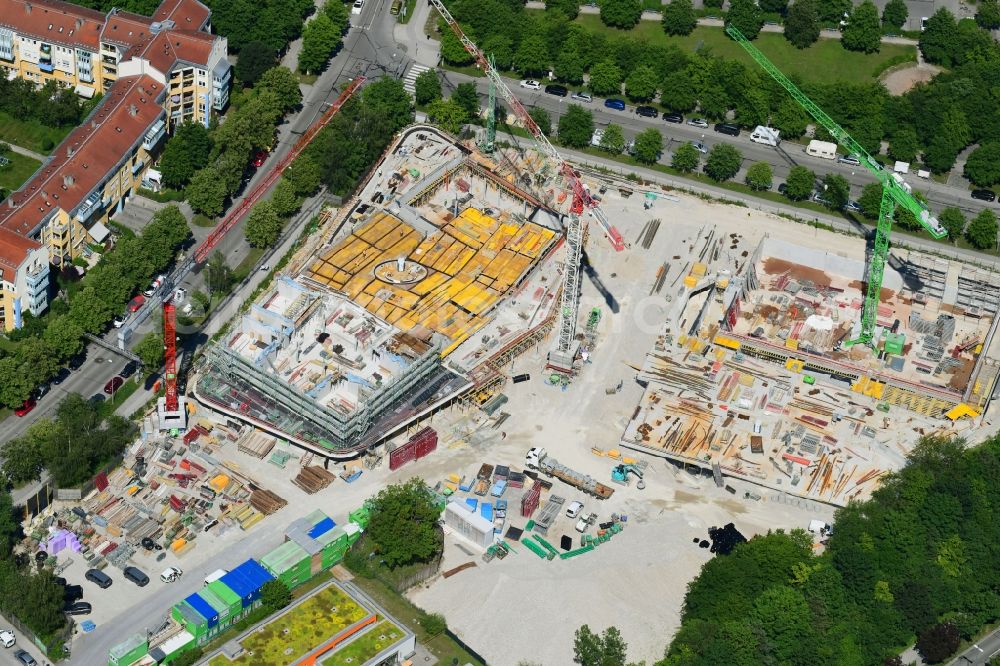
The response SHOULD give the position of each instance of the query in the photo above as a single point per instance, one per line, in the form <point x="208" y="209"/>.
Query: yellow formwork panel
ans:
<point x="368" y="257"/>
<point x="460" y="261"/>
<point x="385" y="310"/>
<point x="395" y="236"/>
<point x="480" y="219"/>
<point x="380" y="226"/>
<point x="344" y="253"/>
<point x="726" y="341"/>
<point x="430" y="257"/>
<point x="478" y="301"/>
<point x="356" y="285"/>
<point x="324" y="270"/>
<point x="463" y="237"/>
<point x="793" y="364"/>
<point x="449" y="256"/>
<point x="403" y="247"/>
<point x="494" y="268"/>
<point x="429" y="283"/>
<point x="362" y="299"/>
<point x="400" y="297"/>
<point x="395" y="316"/>
<point x="374" y="304"/>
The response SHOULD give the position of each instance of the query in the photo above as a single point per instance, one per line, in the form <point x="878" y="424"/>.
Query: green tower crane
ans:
<point x="489" y="141"/>
<point x="895" y="191"/>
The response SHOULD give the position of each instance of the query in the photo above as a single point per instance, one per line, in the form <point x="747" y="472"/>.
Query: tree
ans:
<point x="679" y="93"/>
<point x="427" y="87"/>
<point x="303" y="175"/>
<point x="433" y="623"/>
<point x="447" y="114"/>
<point x="542" y="119"/>
<point x="831" y="11"/>
<point x="870" y="200"/>
<point x="612" y="141"/>
<point x="774" y="6"/>
<point x="988" y="14"/>
<point x="64" y="336"/>
<point x="904" y="144"/>
<point x="320" y="38"/>
<point x="937" y="41"/>
<point x="759" y="176"/>
<point x="836" y="191"/>
<point x="679" y="18"/>
<point x="569" y="8"/>
<point x="207" y="192"/>
<point x="605" y="78"/>
<point x="894" y="14"/>
<point x="951" y="136"/>
<point x="186" y="151"/>
<point x="339" y="14"/>
<point x="640" y="86"/>
<point x="649" y="146"/>
<point x="10" y="527"/>
<point x="713" y="4"/>
<point x="863" y="31"/>
<point x="466" y="97"/>
<point x="938" y="642"/>
<point x="255" y="58"/>
<point x="800" y="183"/>
<point x="723" y="162"/>
<point x="982" y="230"/>
<point x="218" y="274"/>
<point x="746" y="17"/>
<point x="501" y="47"/>
<point x="263" y="226"/>
<point x="532" y="55"/>
<point x="983" y="165"/>
<point x="403" y="525"/>
<point x="89" y="311"/>
<point x="607" y="649"/>
<point x="624" y="14"/>
<point x="150" y="350"/>
<point x="452" y="51"/>
<point x="953" y="221"/>
<point x="576" y="126"/>
<point x="284" y="199"/>
<point x="802" y="24"/>
<point x="686" y="158"/>
<point x="284" y="84"/>
<point x="275" y="595"/>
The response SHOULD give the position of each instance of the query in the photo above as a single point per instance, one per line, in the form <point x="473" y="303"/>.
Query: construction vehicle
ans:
<point x="538" y="458"/>
<point x="560" y="358"/>
<point x="586" y="520"/>
<point x="619" y="474"/>
<point x="895" y="192"/>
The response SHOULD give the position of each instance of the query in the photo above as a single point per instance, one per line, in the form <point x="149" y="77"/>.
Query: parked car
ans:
<point x="72" y="593"/>
<point x="129" y="369"/>
<point x="574" y="509"/>
<point x="261" y="155"/>
<point x="530" y="84"/>
<point x="358" y="6"/>
<point x="7" y="638"/>
<point x="647" y="111"/>
<point x="616" y="104"/>
<point x="727" y="128"/>
<point x="698" y="122"/>
<point x="984" y="195"/>
<point x="595" y="138"/>
<point x="25" y="658"/>
<point x="120" y="320"/>
<point x="136" y="576"/>
<point x="700" y="147"/>
<point x="170" y="574"/>
<point x="25" y="407"/>
<point x="76" y="362"/>
<point x="79" y="608"/>
<point x="96" y="398"/>
<point x="113" y="384"/>
<point x="99" y="578"/>
<point x="782" y="188"/>
<point x="556" y="89"/>
<point x="853" y="206"/>
<point x="582" y="97"/>
<point x="849" y="159"/>
<point x="61" y="376"/>
<point x="136" y="303"/>
<point x="673" y="118"/>
<point x="41" y="390"/>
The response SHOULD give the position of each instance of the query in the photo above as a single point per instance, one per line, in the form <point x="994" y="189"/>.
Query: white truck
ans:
<point x="765" y="135"/>
<point x="538" y="458"/>
<point x="824" y="149"/>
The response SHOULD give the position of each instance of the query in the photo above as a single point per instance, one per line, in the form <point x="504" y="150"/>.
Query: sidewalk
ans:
<point x="27" y="153"/>
<point x="411" y="35"/>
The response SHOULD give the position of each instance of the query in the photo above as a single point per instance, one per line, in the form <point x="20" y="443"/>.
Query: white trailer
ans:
<point x="824" y="149"/>
<point x="765" y="135"/>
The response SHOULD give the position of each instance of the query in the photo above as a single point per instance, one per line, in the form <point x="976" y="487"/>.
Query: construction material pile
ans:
<point x="313" y="478"/>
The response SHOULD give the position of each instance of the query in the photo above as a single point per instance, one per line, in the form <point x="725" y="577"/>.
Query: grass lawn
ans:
<point x="409" y="6"/>
<point x="289" y="637"/>
<point x="200" y="220"/>
<point x="243" y="269"/>
<point x="18" y="171"/>
<point x="366" y="646"/>
<point x="30" y="134"/>
<point x="823" y="62"/>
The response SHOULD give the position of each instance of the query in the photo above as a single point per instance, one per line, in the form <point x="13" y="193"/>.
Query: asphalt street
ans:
<point x="781" y="159"/>
<point x="980" y="653"/>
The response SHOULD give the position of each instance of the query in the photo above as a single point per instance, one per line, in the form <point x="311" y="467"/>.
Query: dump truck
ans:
<point x="538" y="458"/>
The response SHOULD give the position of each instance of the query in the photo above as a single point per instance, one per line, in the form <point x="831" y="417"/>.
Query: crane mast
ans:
<point x="895" y="191"/>
<point x="570" y="303"/>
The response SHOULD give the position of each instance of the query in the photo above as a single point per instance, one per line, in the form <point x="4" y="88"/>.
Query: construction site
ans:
<point x="412" y="296"/>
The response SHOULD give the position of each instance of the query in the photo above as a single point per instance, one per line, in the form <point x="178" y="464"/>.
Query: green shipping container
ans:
<point x="232" y="600"/>
<point x="359" y="516"/>
<point x="129" y="651"/>
<point x="191" y="619"/>
<point x="224" y="610"/>
<point x="289" y="563"/>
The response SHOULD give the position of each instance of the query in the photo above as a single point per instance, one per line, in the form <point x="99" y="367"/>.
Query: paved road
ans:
<point x="981" y="652"/>
<point x="781" y="159"/>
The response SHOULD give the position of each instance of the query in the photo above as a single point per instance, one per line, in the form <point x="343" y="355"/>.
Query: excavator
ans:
<point x="619" y="474"/>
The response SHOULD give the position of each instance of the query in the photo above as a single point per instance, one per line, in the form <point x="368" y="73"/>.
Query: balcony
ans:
<point x="46" y="67"/>
<point x="90" y="206"/>
<point x="154" y="135"/>
<point x="38" y="277"/>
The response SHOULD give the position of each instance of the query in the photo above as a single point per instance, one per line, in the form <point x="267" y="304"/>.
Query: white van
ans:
<point x="824" y="149"/>
<point x="170" y="574"/>
<point x="574" y="509"/>
<point x="765" y="135"/>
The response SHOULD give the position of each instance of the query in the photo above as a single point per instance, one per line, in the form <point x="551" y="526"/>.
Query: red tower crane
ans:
<point x="170" y="355"/>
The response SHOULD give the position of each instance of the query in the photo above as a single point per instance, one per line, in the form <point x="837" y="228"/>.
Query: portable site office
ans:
<point x="289" y="563"/>
<point x="246" y="581"/>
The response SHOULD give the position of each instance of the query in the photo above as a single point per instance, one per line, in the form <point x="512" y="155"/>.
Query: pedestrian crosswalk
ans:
<point x="410" y="80"/>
